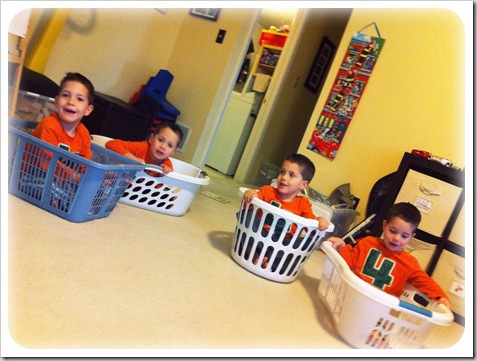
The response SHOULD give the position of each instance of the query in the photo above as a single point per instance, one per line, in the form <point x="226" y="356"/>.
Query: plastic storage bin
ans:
<point x="33" y="107"/>
<point x="273" y="38"/>
<point x="286" y="255"/>
<point x="268" y="172"/>
<point x="343" y="219"/>
<point x="367" y="317"/>
<point x="47" y="176"/>
<point x="169" y="194"/>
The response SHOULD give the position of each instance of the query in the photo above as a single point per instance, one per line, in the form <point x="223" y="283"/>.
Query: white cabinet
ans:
<point x="233" y="132"/>
<point x="434" y="198"/>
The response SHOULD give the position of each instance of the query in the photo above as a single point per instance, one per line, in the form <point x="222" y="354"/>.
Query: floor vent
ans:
<point x="186" y="130"/>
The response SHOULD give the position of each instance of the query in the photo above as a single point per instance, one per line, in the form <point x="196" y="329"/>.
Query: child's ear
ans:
<point x="304" y="184"/>
<point x="89" y="109"/>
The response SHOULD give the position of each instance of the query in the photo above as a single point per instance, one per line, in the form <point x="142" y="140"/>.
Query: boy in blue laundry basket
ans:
<point x="295" y="174"/>
<point x="63" y="128"/>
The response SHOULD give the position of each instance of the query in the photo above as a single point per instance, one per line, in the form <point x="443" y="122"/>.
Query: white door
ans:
<point x="232" y="135"/>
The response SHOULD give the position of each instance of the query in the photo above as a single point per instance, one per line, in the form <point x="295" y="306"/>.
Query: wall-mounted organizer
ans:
<point x="438" y="192"/>
<point x="267" y="60"/>
<point x="17" y="44"/>
<point x="271" y="46"/>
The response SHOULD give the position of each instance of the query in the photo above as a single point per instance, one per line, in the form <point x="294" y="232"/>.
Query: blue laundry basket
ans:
<point x="63" y="183"/>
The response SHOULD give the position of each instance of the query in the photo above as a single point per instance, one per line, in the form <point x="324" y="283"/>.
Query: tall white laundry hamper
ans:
<point x="262" y="233"/>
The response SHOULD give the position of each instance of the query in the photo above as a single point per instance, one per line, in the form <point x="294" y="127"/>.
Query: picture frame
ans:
<point x="209" y="14"/>
<point x="320" y="65"/>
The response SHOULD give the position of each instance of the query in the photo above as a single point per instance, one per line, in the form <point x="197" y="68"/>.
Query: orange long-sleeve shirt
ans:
<point x="139" y="149"/>
<point x="51" y="131"/>
<point x="371" y="261"/>
<point x="300" y="206"/>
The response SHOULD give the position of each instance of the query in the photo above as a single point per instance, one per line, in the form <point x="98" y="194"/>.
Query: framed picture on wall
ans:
<point x="209" y="14"/>
<point x="320" y="65"/>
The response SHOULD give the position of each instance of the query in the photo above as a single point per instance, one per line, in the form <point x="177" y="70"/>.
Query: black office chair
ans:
<point x="376" y="198"/>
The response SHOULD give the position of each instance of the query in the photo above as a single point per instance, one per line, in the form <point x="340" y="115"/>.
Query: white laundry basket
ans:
<point x="367" y="317"/>
<point x="286" y="256"/>
<point x="170" y="194"/>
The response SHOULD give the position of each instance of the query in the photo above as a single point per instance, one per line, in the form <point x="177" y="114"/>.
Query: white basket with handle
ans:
<point x="269" y="251"/>
<point x="367" y="317"/>
<point x="170" y="194"/>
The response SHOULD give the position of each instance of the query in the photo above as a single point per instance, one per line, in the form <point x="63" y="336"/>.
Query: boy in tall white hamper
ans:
<point x="384" y="263"/>
<point x="295" y="174"/>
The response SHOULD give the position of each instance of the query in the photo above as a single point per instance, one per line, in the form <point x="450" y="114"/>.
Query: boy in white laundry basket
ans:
<point x="161" y="145"/>
<point x="384" y="263"/>
<point x="295" y="174"/>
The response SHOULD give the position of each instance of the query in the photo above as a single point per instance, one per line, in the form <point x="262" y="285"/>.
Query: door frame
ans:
<point x="227" y="84"/>
<point x="271" y="98"/>
<point x="225" y="88"/>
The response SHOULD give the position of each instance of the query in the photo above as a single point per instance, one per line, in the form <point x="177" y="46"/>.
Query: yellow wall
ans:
<point x="115" y="51"/>
<point x="38" y="54"/>
<point x="200" y="64"/>
<point x="120" y="49"/>
<point x="414" y="99"/>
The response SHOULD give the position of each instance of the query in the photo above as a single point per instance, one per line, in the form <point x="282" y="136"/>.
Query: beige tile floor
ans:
<point x="143" y="283"/>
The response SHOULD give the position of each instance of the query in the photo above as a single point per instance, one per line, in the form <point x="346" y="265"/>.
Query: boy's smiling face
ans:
<point x="397" y="233"/>
<point x="72" y="104"/>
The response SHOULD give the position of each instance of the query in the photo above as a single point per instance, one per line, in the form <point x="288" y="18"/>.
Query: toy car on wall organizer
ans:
<point x="429" y="156"/>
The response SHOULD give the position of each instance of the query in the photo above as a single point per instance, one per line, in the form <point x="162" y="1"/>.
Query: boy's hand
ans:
<point x="166" y="169"/>
<point x="336" y="242"/>
<point x="133" y="157"/>
<point x="249" y="195"/>
<point x="323" y="224"/>
<point x="444" y="301"/>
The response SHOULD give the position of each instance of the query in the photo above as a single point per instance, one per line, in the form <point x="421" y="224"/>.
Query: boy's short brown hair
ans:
<point x="80" y="79"/>
<point x="407" y="212"/>
<point x="307" y="167"/>
<point x="172" y="126"/>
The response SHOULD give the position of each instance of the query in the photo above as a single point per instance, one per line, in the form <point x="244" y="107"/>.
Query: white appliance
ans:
<point x="234" y="130"/>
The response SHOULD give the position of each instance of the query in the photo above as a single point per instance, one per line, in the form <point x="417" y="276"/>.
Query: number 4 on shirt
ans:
<point x="381" y="275"/>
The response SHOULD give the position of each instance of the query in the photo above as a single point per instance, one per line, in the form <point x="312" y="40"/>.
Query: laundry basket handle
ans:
<point x="154" y="168"/>
<point x="410" y="306"/>
<point x="309" y="222"/>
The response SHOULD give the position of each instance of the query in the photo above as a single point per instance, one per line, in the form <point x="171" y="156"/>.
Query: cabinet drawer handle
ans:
<point x="429" y="192"/>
